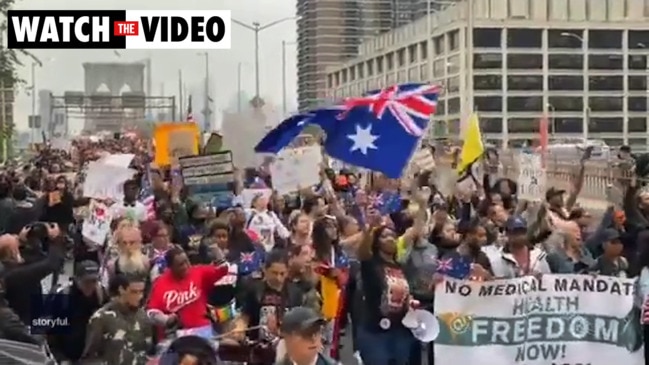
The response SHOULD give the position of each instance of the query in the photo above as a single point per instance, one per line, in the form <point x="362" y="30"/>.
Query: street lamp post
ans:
<point x="256" y="28"/>
<point x="284" y="92"/>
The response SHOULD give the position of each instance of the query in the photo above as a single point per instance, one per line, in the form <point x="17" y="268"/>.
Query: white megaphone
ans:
<point x="423" y="324"/>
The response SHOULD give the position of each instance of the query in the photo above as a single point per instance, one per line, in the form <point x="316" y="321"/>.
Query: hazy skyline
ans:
<point x="62" y="69"/>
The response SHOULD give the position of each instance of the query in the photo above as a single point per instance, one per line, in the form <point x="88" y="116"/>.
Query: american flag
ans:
<point x="190" y="114"/>
<point x="146" y="193"/>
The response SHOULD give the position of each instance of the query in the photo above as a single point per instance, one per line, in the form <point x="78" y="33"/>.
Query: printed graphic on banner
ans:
<point x="119" y="29"/>
<point x="559" y="319"/>
<point x="209" y="178"/>
<point x="532" y="178"/>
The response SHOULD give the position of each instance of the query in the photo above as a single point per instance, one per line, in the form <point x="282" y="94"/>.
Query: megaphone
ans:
<point x="423" y="325"/>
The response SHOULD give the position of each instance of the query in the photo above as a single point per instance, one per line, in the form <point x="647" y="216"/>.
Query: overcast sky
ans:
<point x="62" y="69"/>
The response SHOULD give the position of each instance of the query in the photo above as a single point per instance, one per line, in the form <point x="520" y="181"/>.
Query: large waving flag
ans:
<point x="381" y="130"/>
<point x="472" y="151"/>
<point x="292" y="127"/>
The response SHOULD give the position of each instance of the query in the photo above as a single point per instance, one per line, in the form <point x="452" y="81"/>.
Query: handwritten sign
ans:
<point x="105" y="181"/>
<point x="209" y="178"/>
<point x="296" y="168"/>
<point x="97" y="227"/>
<point x="532" y="178"/>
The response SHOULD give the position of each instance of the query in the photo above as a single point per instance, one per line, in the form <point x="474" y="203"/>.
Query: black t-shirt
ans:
<point x="262" y="303"/>
<point x="386" y="294"/>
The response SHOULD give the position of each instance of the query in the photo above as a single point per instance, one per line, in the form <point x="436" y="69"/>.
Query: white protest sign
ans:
<point x="97" y="226"/>
<point x="106" y="181"/>
<point x="119" y="159"/>
<point x="532" y="177"/>
<point x="248" y="195"/>
<point x="559" y="319"/>
<point x="423" y="159"/>
<point x="296" y="168"/>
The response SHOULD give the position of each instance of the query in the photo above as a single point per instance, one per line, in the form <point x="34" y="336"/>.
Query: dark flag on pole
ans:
<point x="190" y="114"/>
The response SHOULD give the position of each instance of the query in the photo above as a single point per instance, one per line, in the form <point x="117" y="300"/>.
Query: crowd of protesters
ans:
<point x="260" y="273"/>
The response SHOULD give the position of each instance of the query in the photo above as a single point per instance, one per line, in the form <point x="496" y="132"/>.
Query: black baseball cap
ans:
<point x="87" y="270"/>
<point x="552" y="192"/>
<point x="301" y="320"/>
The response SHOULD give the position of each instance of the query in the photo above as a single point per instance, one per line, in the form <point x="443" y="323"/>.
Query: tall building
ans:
<point x="581" y="63"/>
<point x="330" y="32"/>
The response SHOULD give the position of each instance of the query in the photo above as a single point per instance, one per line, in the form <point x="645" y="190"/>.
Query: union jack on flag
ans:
<point x="456" y="266"/>
<point x="404" y="102"/>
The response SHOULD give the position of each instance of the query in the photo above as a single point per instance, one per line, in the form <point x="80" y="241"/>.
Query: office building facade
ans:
<point x="581" y="63"/>
<point x="331" y="31"/>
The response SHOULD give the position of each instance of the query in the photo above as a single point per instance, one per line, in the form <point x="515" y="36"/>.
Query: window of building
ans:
<point x="604" y="39"/>
<point x="565" y="104"/>
<point x="525" y="82"/>
<point x="486" y="61"/>
<point x="453" y="84"/>
<point x="389" y="58"/>
<point x="454" y="126"/>
<point x="605" y="62"/>
<point x="438" y="67"/>
<point x="344" y="76"/>
<point x="565" y="38"/>
<point x="439" y="45"/>
<point x="337" y="78"/>
<point x="557" y="82"/>
<point x="487" y="37"/>
<point x="637" y="125"/>
<point x="638" y="39"/>
<point x="638" y="83"/>
<point x="637" y="104"/>
<point x="565" y="62"/>
<point x="370" y="68"/>
<point x="330" y="81"/>
<point x="488" y="82"/>
<point x="565" y="125"/>
<point x="453" y="105"/>
<point x="525" y="61"/>
<point x="352" y="73"/>
<point x="605" y="125"/>
<point x="639" y="144"/>
<point x="605" y="83"/>
<point x="361" y="73"/>
<point x="441" y="108"/>
<point x="605" y="104"/>
<point x="523" y="125"/>
<point x="423" y="49"/>
<point x="379" y="64"/>
<point x="491" y="125"/>
<point x="638" y="62"/>
<point x="412" y="53"/>
<point x="524" y="38"/>
<point x="488" y="103"/>
<point x="453" y="65"/>
<point x="401" y="57"/>
<point x="453" y="40"/>
<point x="613" y="142"/>
<point x="525" y="103"/>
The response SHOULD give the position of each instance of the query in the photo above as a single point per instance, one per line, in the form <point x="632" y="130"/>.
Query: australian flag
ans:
<point x="386" y="202"/>
<point x="378" y="131"/>
<point x="454" y="265"/>
<point x="249" y="262"/>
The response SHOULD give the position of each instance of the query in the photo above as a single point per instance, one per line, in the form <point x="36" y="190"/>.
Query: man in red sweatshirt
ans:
<point x="180" y="293"/>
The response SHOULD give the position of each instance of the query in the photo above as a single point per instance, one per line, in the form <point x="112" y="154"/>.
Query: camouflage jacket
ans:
<point x="119" y="336"/>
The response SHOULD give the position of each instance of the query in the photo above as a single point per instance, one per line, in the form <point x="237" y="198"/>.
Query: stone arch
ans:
<point x="115" y="76"/>
<point x="125" y="89"/>
<point x="102" y="88"/>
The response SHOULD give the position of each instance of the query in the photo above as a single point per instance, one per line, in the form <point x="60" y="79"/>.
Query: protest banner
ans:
<point x="554" y="320"/>
<point x="213" y="144"/>
<point x="532" y="178"/>
<point x="175" y="140"/>
<point x="105" y="181"/>
<point x="97" y="227"/>
<point x="296" y="168"/>
<point x="209" y="178"/>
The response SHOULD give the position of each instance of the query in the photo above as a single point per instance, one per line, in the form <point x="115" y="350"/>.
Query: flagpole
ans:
<point x="180" y="95"/>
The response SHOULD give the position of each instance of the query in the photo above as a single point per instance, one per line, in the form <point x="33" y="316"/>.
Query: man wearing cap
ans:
<point x="301" y="330"/>
<point x="85" y="295"/>
<point x="518" y="258"/>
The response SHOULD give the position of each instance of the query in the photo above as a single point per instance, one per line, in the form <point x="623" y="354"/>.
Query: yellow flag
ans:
<point x="472" y="149"/>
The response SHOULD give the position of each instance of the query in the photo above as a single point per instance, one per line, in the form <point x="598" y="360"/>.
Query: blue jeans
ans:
<point x="385" y="347"/>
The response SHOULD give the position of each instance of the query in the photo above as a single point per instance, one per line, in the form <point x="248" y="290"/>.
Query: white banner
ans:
<point x="106" y="181"/>
<point x="296" y="168"/>
<point x="557" y="320"/>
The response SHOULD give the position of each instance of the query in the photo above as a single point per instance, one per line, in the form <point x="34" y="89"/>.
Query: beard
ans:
<point x="134" y="262"/>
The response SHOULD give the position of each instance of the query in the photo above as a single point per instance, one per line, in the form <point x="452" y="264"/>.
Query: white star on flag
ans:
<point x="363" y="139"/>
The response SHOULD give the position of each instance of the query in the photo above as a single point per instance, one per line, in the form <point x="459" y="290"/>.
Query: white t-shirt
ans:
<point x="136" y="212"/>
<point x="266" y="224"/>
